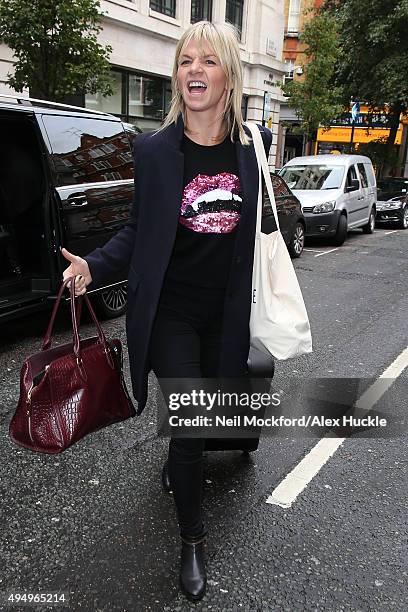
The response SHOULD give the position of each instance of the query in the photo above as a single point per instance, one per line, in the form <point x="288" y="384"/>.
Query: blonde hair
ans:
<point x="223" y="40"/>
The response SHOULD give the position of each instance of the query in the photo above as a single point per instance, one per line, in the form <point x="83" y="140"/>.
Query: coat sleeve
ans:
<point x="106" y="262"/>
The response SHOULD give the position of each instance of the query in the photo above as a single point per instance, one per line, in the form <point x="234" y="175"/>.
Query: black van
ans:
<point x="66" y="178"/>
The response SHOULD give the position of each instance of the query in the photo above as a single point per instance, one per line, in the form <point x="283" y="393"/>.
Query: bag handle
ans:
<point x="48" y="334"/>
<point x="263" y="169"/>
<point x="74" y="317"/>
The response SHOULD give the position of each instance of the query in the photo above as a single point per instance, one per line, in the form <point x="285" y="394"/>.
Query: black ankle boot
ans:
<point x="193" y="577"/>
<point x="165" y="478"/>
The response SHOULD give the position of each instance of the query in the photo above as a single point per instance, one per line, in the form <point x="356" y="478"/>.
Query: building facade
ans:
<point x="6" y="66"/>
<point x="144" y="34"/>
<point x="296" y="13"/>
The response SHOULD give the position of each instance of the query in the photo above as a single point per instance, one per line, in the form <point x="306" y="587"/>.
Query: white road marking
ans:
<point x="293" y="484"/>
<point x="391" y="232"/>
<point x="327" y="252"/>
<point x="313" y="251"/>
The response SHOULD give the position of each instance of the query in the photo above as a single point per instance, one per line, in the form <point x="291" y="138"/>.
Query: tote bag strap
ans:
<point x="263" y="166"/>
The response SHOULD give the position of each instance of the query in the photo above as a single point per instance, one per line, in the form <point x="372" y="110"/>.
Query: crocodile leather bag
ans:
<point x="69" y="391"/>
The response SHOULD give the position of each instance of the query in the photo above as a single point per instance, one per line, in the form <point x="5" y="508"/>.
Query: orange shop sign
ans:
<point x="343" y="134"/>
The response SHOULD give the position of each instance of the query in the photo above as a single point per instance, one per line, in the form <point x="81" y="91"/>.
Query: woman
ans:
<point x="189" y="243"/>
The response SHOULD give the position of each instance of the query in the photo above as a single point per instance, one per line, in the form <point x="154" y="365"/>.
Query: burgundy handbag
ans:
<point x="68" y="391"/>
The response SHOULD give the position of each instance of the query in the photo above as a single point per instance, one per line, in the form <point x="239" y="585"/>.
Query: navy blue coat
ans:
<point x="145" y="244"/>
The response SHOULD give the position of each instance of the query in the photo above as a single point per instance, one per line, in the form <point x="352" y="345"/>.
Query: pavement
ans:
<point x="94" y="524"/>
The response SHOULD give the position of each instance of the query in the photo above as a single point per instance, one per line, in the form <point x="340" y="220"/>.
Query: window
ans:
<point x="166" y="7"/>
<point x="371" y="175"/>
<point x="294" y="16"/>
<point x="351" y="175"/>
<point x="95" y="152"/>
<point x="167" y="96"/>
<point x="112" y="176"/>
<point x="110" y="104"/>
<point x="83" y="149"/>
<point x="313" y="177"/>
<point x="290" y="68"/>
<point x="201" y="10"/>
<point x="108" y="148"/>
<point x="143" y="100"/>
<point x="234" y="13"/>
<point x="244" y="107"/>
<point x="363" y="175"/>
<point x="145" y="96"/>
<point x="125" y="157"/>
<point x="101" y="165"/>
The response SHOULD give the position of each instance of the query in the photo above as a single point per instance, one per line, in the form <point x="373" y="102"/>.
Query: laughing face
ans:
<point x="201" y="79"/>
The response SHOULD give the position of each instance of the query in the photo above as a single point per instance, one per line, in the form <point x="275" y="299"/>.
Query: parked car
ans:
<point x="392" y="201"/>
<point x="290" y="216"/>
<point x="337" y="193"/>
<point x="66" y="179"/>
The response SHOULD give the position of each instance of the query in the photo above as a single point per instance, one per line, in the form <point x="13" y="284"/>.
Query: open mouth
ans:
<point x="196" y="87"/>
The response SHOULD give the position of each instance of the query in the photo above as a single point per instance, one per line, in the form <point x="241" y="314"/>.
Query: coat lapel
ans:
<point x="168" y="162"/>
<point x="249" y="176"/>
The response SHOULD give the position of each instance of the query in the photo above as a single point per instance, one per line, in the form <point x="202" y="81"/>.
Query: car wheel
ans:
<point x="404" y="218"/>
<point x="369" y="227"/>
<point x="111" y="302"/>
<point x="297" y="241"/>
<point x="341" y="233"/>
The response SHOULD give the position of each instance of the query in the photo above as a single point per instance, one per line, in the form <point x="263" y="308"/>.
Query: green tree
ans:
<point x="314" y="101"/>
<point x="379" y="154"/>
<point x="373" y="62"/>
<point x="55" y="47"/>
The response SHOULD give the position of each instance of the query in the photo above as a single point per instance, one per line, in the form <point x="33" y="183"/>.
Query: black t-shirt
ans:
<point x="209" y="215"/>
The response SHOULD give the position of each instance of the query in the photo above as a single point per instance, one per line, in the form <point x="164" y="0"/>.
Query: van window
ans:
<point x="88" y="150"/>
<point x="370" y="175"/>
<point x="317" y="176"/>
<point x="351" y="174"/>
<point x="23" y="248"/>
<point x="363" y="175"/>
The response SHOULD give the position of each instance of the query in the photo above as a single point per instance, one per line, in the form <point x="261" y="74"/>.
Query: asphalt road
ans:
<point x="93" y="523"/>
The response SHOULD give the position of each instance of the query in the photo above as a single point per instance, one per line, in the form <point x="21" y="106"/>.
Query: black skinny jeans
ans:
<point x="185" y="342"/>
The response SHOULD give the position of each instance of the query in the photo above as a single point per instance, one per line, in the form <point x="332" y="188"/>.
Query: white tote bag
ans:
<point x="279" y="325"/>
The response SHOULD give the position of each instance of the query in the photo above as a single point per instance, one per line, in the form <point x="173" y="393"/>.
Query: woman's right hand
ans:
<point x="78" y="268"/>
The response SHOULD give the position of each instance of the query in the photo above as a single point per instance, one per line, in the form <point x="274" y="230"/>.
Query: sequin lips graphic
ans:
<point x="211" y="204"/>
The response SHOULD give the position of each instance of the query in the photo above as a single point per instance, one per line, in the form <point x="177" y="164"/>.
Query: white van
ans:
<point x="337" y="193"/>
